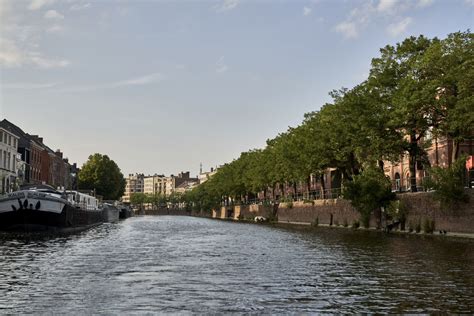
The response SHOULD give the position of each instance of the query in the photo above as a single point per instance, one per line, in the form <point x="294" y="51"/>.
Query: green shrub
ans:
<point x="369" y="191"/>
<point x="306" y="201"/>
<point x="355" y="224"/>
<point x="289" y="204"/>
<point x="448" y="183"/>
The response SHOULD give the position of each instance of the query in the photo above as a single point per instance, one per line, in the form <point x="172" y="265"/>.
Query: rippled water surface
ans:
<point x="184" y="264"/>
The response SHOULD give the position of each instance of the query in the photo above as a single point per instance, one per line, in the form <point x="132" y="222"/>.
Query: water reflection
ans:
<point x="176" y="264"/>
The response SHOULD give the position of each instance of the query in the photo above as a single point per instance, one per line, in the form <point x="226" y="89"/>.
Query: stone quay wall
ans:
<point x="421" y="207"/>
<point x="338" y="212"/>
<point x="325" y="212"/>
<point x="166" y="211"/>
<point x="245" y="212"/>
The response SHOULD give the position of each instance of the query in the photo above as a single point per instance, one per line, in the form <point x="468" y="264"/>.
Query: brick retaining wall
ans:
<point x="421" y="207"/>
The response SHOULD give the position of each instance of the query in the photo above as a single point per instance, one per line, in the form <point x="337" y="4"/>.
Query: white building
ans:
<point x="204" y="176"/>
<point x="20" y="170"/>
<point x="154" y="184"/>
<point x="134" y="184"/>
<point x="8" y="160"/>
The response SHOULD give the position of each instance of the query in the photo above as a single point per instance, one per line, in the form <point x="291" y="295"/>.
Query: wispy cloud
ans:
<point x="425" y="3"/>
<point x="53" y="14"/>
<point x="29" y="85"/>
<point x="400" y="27"/>
<point x="21" y="39"/>
<point x="387" y="5"/>
<point x="134" y="81"/>
<point x="80" y="6"/>
<point x="307" y="11"/>
<point x="221" y="67"/>
<point x="358" y="19"/>
<point x="11" y="55"/>
<point x="348" y="29"/>
<point x="226" y="5"/>
<point x="56" y="28"/>
<point x="38" y="4"/>
<point x="383" y="11"/>
<point x="147" y="79"/>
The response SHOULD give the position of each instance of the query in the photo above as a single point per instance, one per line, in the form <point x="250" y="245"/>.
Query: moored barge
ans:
<point x="42" y="208"/>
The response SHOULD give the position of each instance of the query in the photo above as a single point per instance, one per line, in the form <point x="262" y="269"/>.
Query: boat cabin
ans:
<point x="83" y="201"/>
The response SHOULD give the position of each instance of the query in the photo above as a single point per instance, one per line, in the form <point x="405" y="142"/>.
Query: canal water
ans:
<point x="194" y="265"/>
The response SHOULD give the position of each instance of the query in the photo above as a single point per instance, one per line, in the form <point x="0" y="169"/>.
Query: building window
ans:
<point x="9" y="140"/>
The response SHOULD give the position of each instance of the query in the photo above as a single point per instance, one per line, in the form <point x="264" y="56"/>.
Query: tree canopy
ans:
<point x="102" y="174"/>
<point x="416" y="88"/>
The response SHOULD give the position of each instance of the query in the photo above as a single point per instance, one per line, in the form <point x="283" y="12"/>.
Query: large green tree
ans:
<point x="102" y="174"/>
<point x="402" y="81"/>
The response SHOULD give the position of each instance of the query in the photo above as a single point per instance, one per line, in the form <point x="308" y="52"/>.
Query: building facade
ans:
<point x="8" y="160"/>
<point x="134" y="183"/>
<point x="154" y="184"/>
<point x="37" y="163"/>
<point x="439" y="153"/>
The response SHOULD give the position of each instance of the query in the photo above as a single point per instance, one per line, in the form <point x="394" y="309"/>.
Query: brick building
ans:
<point x="439" y="153"/>
<point x="40" y="164"/>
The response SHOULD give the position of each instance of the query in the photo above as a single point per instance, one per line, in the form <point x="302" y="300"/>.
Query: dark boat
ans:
<point x="42" y="208"/>
<point x="125" y="212"/>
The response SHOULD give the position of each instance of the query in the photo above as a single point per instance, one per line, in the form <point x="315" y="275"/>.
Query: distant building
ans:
<point x="186" y="186"/>
<point x="153" y="184"/>
<point x="204" y="176"/>
<point x="158" y="184"/>
<point x="181" y="181"/>
<point x="134" y="183"/>
<point x="8" y="160"/>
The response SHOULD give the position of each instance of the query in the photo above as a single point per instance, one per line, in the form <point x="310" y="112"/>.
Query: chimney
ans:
<point x="59" y="153"/>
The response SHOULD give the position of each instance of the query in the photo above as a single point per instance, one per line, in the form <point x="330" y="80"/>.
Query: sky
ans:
<point x="162" y="86"/>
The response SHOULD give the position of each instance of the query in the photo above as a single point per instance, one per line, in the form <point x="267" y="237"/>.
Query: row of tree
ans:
<point x="156" y="201"/>
<point x="418" y="87"/>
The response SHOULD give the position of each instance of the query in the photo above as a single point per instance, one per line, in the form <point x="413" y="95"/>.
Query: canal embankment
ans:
<point x="423" y="213"/>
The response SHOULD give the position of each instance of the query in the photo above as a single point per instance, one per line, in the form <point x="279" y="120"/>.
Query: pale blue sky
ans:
<point x="161" y="86"/>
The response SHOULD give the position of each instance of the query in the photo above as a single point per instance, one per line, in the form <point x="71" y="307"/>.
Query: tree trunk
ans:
<point x="381" y="165"/>
<point x="455" y="154"/>
<point x="413" y="155"/>
<point x="323" y="186"/>
<point x="354" y="164"/>
<point x="308" y="184"/>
